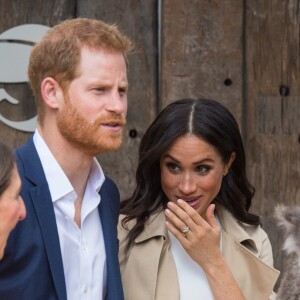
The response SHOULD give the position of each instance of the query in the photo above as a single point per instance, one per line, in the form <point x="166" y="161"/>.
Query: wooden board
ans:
<point x="202" y="51"/>
<point x="273" y="109"/>
<point x="19" y="12"/>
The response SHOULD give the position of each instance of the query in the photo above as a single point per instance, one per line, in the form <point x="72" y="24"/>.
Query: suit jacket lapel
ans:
<point x="41" y="200"/>
<point x="109" y="228"/>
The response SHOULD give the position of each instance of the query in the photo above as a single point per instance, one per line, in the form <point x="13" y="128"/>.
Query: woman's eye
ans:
<point x="202" y="169"/>
<point x="172" y="167"/>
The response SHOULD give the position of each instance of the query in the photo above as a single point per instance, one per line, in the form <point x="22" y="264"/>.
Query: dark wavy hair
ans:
<point x="212" y="122"/>
<point x="7" y="161"/>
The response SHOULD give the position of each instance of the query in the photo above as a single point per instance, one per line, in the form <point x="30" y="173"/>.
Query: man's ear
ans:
<point x="51" y="92"/>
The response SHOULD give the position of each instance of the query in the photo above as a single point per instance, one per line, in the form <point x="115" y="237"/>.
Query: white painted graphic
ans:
<point x="15" y="46"/>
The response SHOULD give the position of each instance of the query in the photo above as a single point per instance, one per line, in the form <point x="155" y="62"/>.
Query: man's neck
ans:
<point x="74" y="162"/>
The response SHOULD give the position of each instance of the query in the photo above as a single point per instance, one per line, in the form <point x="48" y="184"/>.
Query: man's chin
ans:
<point x="110" y="148"/>
<point x="104" y="148"/>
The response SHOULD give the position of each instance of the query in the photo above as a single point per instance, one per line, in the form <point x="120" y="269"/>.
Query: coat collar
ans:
<point x="240" y="232"/>
<point x="155" y="226"/>
<point x="149" y="263"/>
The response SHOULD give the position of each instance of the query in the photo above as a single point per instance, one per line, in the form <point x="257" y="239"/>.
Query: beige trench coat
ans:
<point x="149" y="272"/>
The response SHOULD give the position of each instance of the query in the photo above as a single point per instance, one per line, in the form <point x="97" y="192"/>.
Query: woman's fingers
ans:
<point x="210" y="216"/>
<point x="188" y="215"/>
<point x="191" y="212"/>
<point x="181" y="223"/>
<point x="179" y="235"/>
<point x="202" y="239"/>
<point x="186" y="219"/>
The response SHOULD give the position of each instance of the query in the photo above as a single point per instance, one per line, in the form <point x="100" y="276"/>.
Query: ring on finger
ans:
<point x="186" y="229"/>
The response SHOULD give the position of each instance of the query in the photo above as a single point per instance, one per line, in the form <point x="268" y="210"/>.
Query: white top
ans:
<point x="193" y="284"/>
<point x="82" y="249"/>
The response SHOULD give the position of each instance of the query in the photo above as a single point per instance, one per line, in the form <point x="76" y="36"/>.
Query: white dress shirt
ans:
<point x="82" y="249"/>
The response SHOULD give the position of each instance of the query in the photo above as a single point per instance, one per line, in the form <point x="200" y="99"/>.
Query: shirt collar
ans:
<point x="96" y="176"/>
<point x="58" y="182"/>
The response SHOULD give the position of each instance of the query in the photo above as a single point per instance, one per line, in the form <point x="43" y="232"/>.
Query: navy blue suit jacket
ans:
<point x="32" y="266"/>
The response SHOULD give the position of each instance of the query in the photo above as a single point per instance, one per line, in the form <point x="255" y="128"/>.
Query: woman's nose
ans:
<point x="187" y="185"/>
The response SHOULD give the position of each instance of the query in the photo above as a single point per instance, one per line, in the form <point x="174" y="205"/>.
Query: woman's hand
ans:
<point x="202" y="241"/>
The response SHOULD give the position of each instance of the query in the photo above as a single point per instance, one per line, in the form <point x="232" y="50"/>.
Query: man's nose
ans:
<point x="22" y="215"/>
<point x="117" y="102"/>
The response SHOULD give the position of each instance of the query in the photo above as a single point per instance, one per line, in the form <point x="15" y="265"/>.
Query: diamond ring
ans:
<point x="185" y="229"/>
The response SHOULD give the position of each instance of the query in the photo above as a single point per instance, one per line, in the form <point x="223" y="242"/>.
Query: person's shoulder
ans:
<point x="110" y="194"/>
<point x="249" y="235"/>
<point x="126" y="226"/>
<point x="254" y="231"/>
<point x="110" y="186"/>
<point x="109" y="182"/>
<point x="228" y="222"/>
<point x="28" y="144"/>
<point x="24" y="151"/>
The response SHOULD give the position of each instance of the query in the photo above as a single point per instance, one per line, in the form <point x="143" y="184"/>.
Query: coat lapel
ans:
<point x="150" y="252"/>
<point x="259" y="280"/>
<point x="41" y="200"/>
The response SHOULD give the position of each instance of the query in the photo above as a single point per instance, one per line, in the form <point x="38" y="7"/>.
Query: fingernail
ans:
<point x="167" y="212"/>
<point x="179" y="201"/>
<point x="170" y="204"/>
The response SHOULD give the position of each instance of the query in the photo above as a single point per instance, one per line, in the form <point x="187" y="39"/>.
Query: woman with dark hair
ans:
<point x="186" y="232"/>
<point x="12" y="208"/>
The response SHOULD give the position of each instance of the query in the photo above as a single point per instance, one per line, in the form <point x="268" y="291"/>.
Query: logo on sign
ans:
<point x="15" y="46"/>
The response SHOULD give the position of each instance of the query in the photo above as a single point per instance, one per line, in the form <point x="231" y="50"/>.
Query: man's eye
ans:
<point x="99" y="90"/>
<point x="123" y="91"/>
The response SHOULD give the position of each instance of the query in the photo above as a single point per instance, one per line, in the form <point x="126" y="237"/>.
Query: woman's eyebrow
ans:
<point x="204" y="160"/>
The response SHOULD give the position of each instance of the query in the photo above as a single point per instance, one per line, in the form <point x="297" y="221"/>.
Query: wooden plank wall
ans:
<point x="202" y="51"/>
<point x="138" y="19"/>
<point x="242" y="53"/>
<point x="272" y="111"/>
